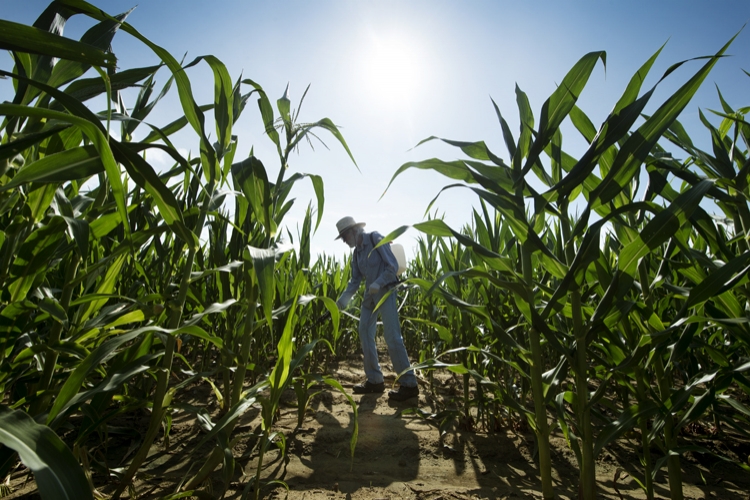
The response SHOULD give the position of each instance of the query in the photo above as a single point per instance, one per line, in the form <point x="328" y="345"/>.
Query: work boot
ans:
<point x="403" y="393"/>
<point x="369" y="388"/>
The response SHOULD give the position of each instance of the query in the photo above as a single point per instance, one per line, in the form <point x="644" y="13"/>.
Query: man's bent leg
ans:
<point x="370" y="352"/>
<point x="392" y="333"/>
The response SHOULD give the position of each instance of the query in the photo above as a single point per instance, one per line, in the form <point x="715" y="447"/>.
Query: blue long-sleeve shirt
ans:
<point x="379" y="267"/>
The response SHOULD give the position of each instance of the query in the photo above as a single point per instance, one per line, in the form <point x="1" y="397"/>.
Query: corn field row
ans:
<point x="121" y="286"/>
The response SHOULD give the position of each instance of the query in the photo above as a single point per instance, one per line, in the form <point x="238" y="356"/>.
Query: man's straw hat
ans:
<point x="347" y="223"/>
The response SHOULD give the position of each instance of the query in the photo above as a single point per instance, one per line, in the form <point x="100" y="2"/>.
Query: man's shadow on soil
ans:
<point x="386" y="451"/>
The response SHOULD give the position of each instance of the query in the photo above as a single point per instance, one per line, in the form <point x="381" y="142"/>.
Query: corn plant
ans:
<point x="574" y="302"/>
<point x="104" y="289"/>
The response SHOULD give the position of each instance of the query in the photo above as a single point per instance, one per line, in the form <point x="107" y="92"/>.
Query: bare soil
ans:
<point x="401" y="453"/>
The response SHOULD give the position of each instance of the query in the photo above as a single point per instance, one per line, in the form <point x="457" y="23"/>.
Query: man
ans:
<point x="378" y="268"/>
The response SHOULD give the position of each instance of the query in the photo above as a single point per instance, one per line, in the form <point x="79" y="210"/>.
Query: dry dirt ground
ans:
<point x="398" y="455"/>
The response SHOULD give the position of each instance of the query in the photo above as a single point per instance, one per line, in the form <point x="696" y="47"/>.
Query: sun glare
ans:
<point x="392" y="70"/>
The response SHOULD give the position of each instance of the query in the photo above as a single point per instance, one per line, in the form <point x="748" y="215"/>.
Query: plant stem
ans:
<point x="588" y="465"/>
<point x="673" y="461"/>
<point x="641" y="385"/>
<point x="50" y="360"/>
<point x="542" y="427"/>
<point x="263" y="445"/>
<point x="162" y="385"/>
<point x="239" y="376"/>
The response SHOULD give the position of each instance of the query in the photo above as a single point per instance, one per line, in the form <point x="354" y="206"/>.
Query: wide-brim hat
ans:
<point x="345" y="224"/>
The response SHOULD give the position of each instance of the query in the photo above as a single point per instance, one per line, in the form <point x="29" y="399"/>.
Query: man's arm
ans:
<point x="352" y="287"/>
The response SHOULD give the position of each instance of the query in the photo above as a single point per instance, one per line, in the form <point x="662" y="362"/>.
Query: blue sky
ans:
<point x="391" y="73"/>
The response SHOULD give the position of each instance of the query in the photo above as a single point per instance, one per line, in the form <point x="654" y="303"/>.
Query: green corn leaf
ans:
<point x="251" y="175"/>
<point x="355" y="431"/>
<point x="734" y="404"/>
<point x="144" y="175"/>
<point x="39" y="67"/>
<point x="718" y="282"/>
<point x="284" y="106"/>
<point x="583" y="124"/>
<point x="475" y="150"/>
<point x="559" y="104"/>
<point x="456" y="170"/>
<point x="497" y="179"/>
<point x="106" y="287"/>
<point x="12" y="148"/>
<point x="699" y="407"/>
<point x="443" y="332"/>
<point x="510" y="208"/>
<point x="720" y="163"/>
<point x="266" y="113"/>
<point x="99" y="36"/>
<point x="39" y="200"/>
<point x="263" y="261"/>
<point x="171" y="128"/>
<point x="328" y="125"/>
<point x="474" y="273"/>
<point x="627" y="420"/>
<point x="105" y="224"/>
<point x="317" y="182"/>
<point x="282" y="369"/>
<point x="434" y="227"/>
<point x="52" y="306"/>
<point x="83" y="89"/>
<point x="455" y="301"/>
<point x="34" y="255"/>
<point x="211" y="309"/>
<point x="690" y="177"/>
<point x="507" y="134"/>
<point x="95" y="134"/>
<point x="392" y="236"/>
<point x="680" y="347"/>
<point x="192" y="111"/>
<point x="248" y="399"/>
<point x="223" y="99"/>
<point x="587" y="253"/>
<point x="79" y="231"/>
<point x="105" y="351"/>
<point x="440" y="228"/>
<point x="526" y="117"/>
<point x="562" y="419"/>
<point x="432" y="364"/>
<point x="70" y="164"/>
<point x="56" y="471"/>
<point x="662" y="226"/>
<point x="637" y="147"/>
<point x="333" y="309"/>
<point x="114" y="381"/>
<point x="230" y="268"/>
<point x="318" y="187"/>
<point x="74" y="106"/>
<point x="142" y="107"/>
<point x="126" y="319"/>
<point x="615" y="128"/>
<point x="22" y="38"/>
<point x="552" y="378"/>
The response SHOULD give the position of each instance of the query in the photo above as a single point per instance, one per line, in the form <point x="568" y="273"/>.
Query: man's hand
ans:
<point x="374" y="289"/>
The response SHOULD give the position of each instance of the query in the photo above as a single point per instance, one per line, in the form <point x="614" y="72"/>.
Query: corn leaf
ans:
<point x="56" y="470"/>
<point x="22" y="38"/>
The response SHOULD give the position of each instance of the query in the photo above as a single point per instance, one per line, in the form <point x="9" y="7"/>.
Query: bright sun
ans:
<point x="392" y="70"/>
